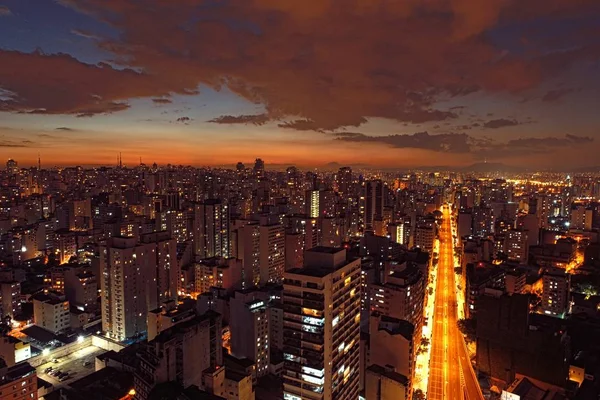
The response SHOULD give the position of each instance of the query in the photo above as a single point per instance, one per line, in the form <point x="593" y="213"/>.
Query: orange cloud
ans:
<point x="322" y="64"/>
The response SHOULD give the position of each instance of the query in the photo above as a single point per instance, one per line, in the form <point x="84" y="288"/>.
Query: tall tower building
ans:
<point x="126" y="284"/>
<point x="312" y="203"/>
<point x="162" y="255"/>
<point x="272" y="253"/>
<point x="344" y="180"/>
<point x="211" y="229"/>
<point x="249" y="324"/>
<point x="248" y="250"/>
<point x="12" y="167"/>
<point x="374" y="194"/>
<point x="321" y="304"/>
<point x="259" y="168"/>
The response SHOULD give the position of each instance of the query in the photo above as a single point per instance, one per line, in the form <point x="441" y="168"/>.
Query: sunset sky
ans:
<point x="392" y="83"/>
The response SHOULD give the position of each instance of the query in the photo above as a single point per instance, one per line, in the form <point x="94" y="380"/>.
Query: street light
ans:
<point x="79" y="339"/>
<point x="45" y="352"/>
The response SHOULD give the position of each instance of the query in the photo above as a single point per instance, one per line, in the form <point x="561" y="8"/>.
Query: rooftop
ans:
<point x="379" y="370"/>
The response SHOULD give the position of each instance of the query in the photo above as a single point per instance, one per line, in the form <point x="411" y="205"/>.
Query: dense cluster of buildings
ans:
<point x="528" y="266"/>
<point x="248" y="283"/>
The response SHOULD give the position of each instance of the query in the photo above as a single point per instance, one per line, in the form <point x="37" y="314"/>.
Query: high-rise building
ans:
<point x="161" y="251"/>
<point x="556" y="285"/>
<point x="374" y="195"/>
<point x="10" y="293"/>
<point x="400" y="295"/>
<point x="425" y="235"/>
<point x="344" y="181"/>
<point x="12" y="168"/>
<point x="483" y="221"/>
<point x="249" y="326"/>
<point x="211" y="229"/>
<point x="321" y="303"/>
<point x="259" y="168"/>
<point x="400" y="231"/>
<point x="312" y="203"/>
<point x="248" y="250"/>
<point x="127" y="282"/>
<point x="516" y="246"/>
<point x="581" y="217"/>
<point x="272" y="253"/>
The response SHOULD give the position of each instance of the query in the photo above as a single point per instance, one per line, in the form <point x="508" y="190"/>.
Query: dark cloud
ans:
<point x="350" y="135"/>
<point x="162" y="100"/>
<point x="183" y="120"/>
<point x="445" y="142"/>
<point x="5" y="11"/>
<point x="9" y="143"/>
<point x="64" y="128"/>
<point x="259" y="119"/>
<point x="463" y="143"/>
<point x="555" y="95"/>
<point x="547" y="142"/>
<point x="500" y="123"/>
<point x="327" y="64"/>
<point x="63" y="85"/>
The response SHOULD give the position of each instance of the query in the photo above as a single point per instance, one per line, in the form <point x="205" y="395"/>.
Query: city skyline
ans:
<point x="206" y="83"/>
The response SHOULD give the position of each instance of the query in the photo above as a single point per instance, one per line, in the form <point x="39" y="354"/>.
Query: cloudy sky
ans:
<point x="380" y="82"/>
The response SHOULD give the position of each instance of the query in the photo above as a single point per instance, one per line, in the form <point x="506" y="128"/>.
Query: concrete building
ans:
<point x="556" y="285"/>
<point x="81" y="288"/>
<point x="247" y="237"/>
<point x="51" y="312"/>
<point x="515" y="281"/>
<point x="321" y="303"/>
<point x="10" y="294"/>
<point x="400" y="295"/>
<point x="425" y="235"/>
<point x="211" y="229"/>
<point x="294" y="250"/>
<point x="127" y="285"/>
<point x="223" y="273"/>
<point x="516" y="246"/>
<point x="391" y="344"/>
<point x="581" y="217"/>
<point x="166" y="316"/>
<point x="272" y="253"/>
<point x="249" y="326"/>
<point x="184" y="354"/>
<point x="18" y="382"/>
<point x="312" y="203"/>
<point x="13" y="351"/>
<point x="238" y="386"/>
<point x="382" y="383"/>
<point x="161" y="251"/>
<point x="374" y="195"/>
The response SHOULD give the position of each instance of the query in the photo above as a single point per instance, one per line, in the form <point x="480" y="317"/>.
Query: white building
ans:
<point x="126" y="283"/>
<point x="51" y="312"/>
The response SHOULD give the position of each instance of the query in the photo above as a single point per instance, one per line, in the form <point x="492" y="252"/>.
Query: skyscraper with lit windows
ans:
<point x="321" y="304"/>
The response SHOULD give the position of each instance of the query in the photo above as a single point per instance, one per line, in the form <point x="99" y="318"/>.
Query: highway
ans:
<point x="451" y="374"/>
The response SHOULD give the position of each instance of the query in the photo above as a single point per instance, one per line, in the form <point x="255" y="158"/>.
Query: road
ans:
<point x="451" y="374"/>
